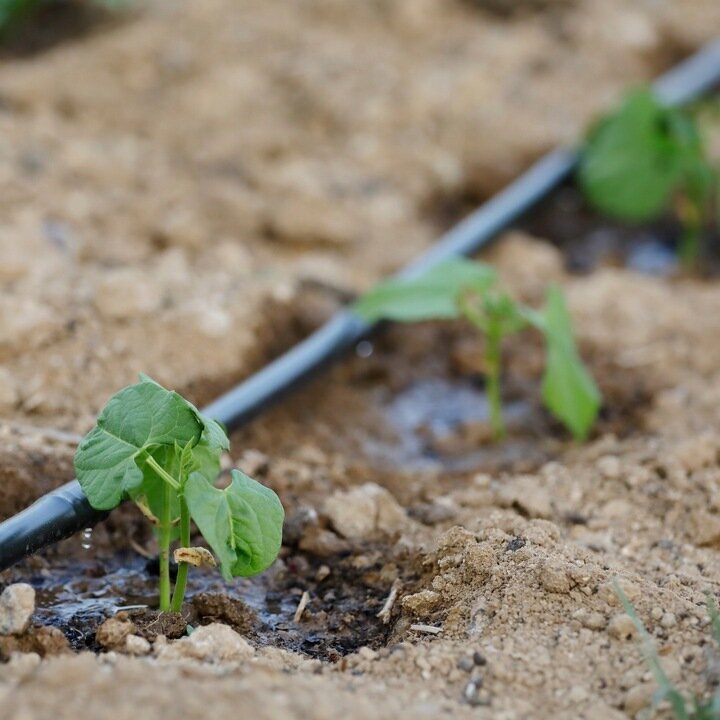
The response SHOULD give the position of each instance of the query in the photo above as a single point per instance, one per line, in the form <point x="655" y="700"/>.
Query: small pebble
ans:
<point x="594" y="621"/>
<point x="465" y="663"/>
<point x="17" y="604"/>
<point x="622" y="628"/>
<point x="479" y="658"/>
<point x="136" y="645"/>
<point x="668" y="620"/>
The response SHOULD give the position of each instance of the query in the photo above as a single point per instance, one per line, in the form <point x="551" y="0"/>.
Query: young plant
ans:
<point x="152" y="446"/>
<point x="462" y="288"/>
<point x="683" y="708"/>
<point x="645" y="159"/>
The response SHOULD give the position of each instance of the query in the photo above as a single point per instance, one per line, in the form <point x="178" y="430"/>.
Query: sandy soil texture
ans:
<point x="189" y="191"/>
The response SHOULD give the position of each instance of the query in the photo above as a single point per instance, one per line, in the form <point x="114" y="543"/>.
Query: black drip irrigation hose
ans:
<point x="65" y="511"/>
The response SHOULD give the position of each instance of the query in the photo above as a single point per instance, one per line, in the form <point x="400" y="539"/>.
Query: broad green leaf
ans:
<point x="433" y="295"/>
<point x="213" y="441"/>
<point x="242" y="523"/>
<point x="136" y="420"/>
<point x="635" y="159"/>
<point x="568" y="390"/>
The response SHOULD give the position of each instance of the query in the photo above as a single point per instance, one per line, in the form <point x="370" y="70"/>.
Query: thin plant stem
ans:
<point x="493" y="359"/>
<point x="164" y="474"/>
<point x="691" y="216"/>
<point x="181" y="580"/>
<point x="165" y="529"/>
<point x="689" y="242"/>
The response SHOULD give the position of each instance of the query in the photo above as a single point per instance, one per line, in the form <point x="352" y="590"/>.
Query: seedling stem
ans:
<point x="493" y="359"/>
<point x="183" y="567"/>
<point x="165" y="531"/>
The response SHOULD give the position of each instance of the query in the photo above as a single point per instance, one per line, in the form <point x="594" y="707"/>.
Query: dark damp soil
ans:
<point x="590" y="241"/>
<point x="345" y="594"/>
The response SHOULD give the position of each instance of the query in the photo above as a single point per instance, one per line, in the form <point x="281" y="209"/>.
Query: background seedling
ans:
<point x="154" y="447"/>
<point x="683" y="708"/>
<point x="14" y="13"/>
<point x="646" y="159"/>
<point x="462" y="288"/>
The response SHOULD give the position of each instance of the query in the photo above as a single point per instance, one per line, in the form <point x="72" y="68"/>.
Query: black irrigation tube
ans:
<point x="65" y="511"/>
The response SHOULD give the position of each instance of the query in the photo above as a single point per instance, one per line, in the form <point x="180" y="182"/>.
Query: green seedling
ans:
<point x="683" y="707"/>
<point x="645" y="159"/>
<point x="462" y="288"/>
<point x="152" y="446"/>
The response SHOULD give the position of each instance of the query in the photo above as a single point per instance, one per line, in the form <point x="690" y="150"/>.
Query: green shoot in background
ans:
<point x="154" y="447"/>
<point x="463" y="288"/>
<point x="13" y="13"/>
<point x="644" y="160"/>
<point x="683" y="708"/>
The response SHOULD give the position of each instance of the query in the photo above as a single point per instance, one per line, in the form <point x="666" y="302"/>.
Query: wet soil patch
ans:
<point x="345" y="594"/>
<point x="413" y="400"/>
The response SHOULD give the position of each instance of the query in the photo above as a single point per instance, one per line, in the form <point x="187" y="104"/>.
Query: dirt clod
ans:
<point x="17" y="604"/>
<point x="216" y="608"/>
<point x="210" y="643"/>
<point x="150" y="623"/>
<point x="364" y="512"/>
<point x="45" y="641"/>
<point x="113" y="633"/>
<point x="622" y="627"/>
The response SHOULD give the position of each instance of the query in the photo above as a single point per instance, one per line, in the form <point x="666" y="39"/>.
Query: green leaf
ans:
<point x="433" y="295"/>
<point x="568" y="390"/>
<point x="207" y="452"/>
<point x="242" y="524"/>
<point x="635" y="159"/>
<point x="213" y="442"/>
<point x="136" y="421"/>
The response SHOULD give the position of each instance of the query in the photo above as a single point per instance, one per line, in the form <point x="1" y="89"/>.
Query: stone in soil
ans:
<point x="214" y="643"/>
<point x="17" y="604"/>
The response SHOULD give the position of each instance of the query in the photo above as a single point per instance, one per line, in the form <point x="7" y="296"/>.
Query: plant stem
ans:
<point x="164" y="474"/>
<point x="691" y="216"/>
<point x="493" y="358"/>
<point x="165" y="529"/>
<point x="181" y="581"/>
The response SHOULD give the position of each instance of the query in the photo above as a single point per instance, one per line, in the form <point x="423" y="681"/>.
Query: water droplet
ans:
<point x="86" y="538"/>
<point x="364" y="349"/>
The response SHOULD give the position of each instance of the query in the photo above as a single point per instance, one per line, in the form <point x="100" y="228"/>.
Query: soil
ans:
<point x="190" y="208"/>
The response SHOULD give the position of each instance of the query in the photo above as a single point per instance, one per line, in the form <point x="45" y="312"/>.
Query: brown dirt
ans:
<point x="188" y="208"/>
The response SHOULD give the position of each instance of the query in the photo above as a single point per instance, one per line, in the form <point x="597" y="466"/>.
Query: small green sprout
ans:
<point x="645" y="159"/>
<point x="683" y="708"/>
<point x="463" y="288"/>
<point x="152" y="446"/>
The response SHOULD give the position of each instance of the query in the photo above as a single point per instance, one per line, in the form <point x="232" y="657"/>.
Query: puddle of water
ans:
<point x="443" y="424"/>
